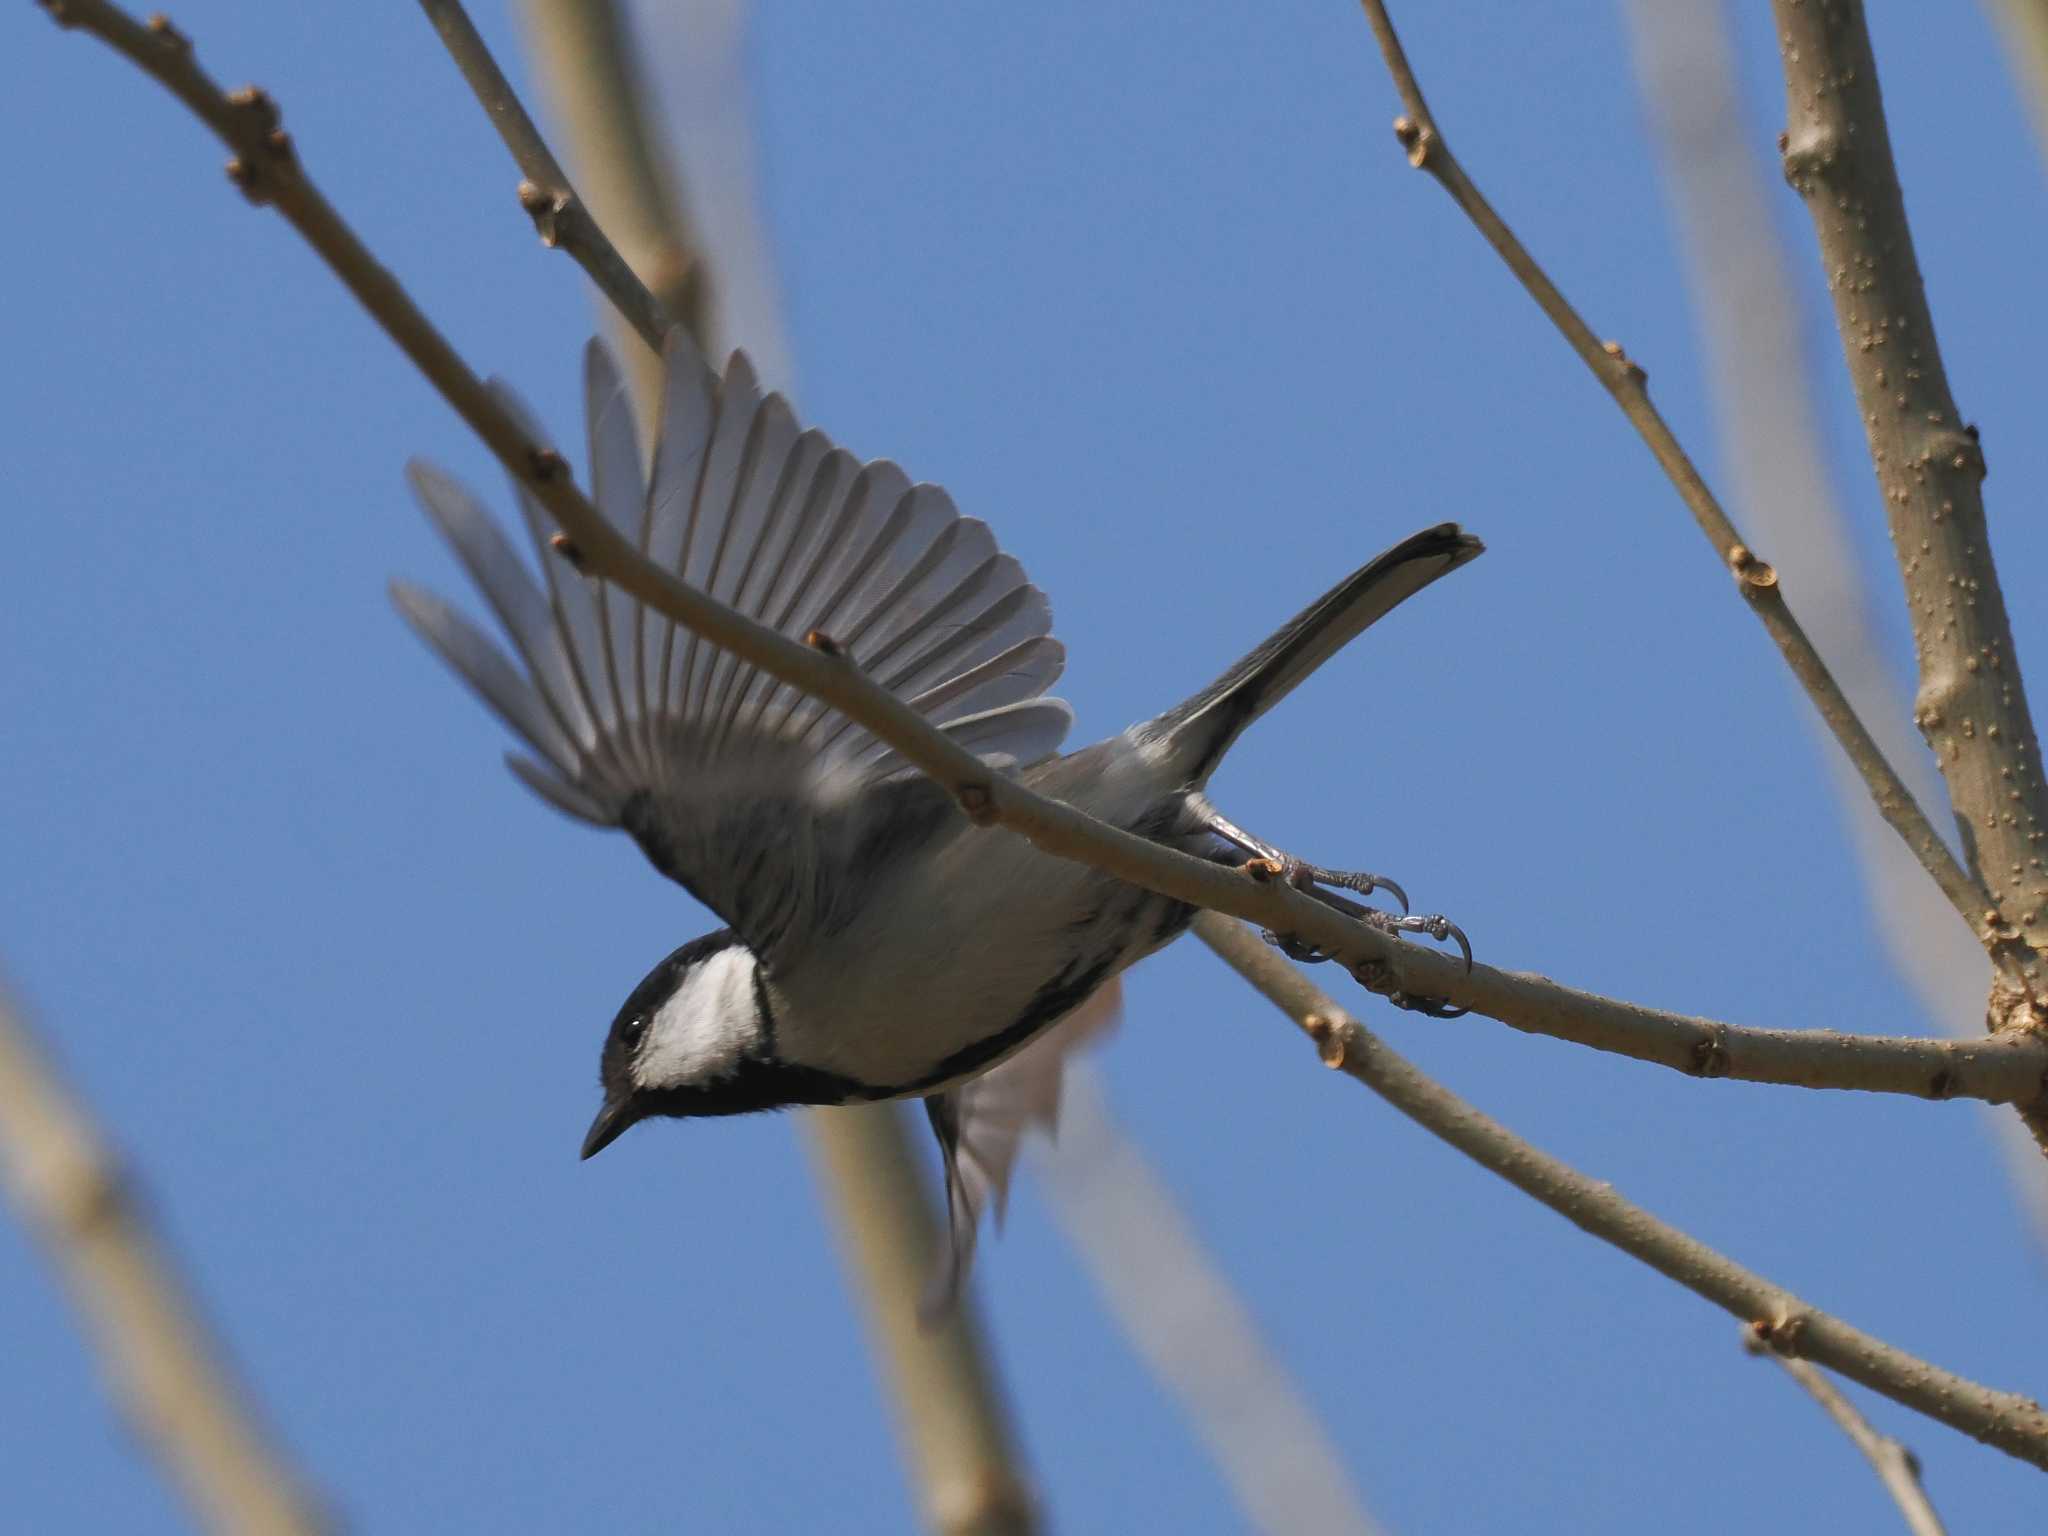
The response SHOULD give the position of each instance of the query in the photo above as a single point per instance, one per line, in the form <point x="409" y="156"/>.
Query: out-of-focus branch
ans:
<point x="2004" y="1069"/>
<point x="963" y="1460"/>
<point x="1751" y="326"/>
<point x="558" y="213"/>
<point x="1897" y="1468"/>
<point x="591" y="73"/>
<point x="1972" y="705"/>
<point x="164" y="1368"/>
<point x="2014" y="1424"/>
<point x="1190" y="1327"/>
<point x="2024" y="25"/>
<point x="946" y="1395"/>
<point x="1757" y="581"/>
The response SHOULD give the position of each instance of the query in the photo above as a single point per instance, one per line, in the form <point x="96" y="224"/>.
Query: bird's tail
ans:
<point x="1200" y="731"/>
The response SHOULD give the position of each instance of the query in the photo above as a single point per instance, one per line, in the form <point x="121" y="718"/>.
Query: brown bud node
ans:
<point x="167" y="35"/>
<point x="256" y="101"/>
<point x="1329" y="1039"/>
<point x="1414" y="138"/>
<point x="1781" y="1337"/>
<point x="565" y="546"/>
<point x="978" y="802"/>
<point x="1752" y="574"/>
<point x="1263" y="870"/>
<point x="818" y="640"/>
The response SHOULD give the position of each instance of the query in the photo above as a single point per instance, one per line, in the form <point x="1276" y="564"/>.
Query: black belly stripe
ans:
<point x="1062" y="995"/>
<point x="765" y="1010"/>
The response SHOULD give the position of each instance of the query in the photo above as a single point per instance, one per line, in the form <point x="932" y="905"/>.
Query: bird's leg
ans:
<point x="1314" y="880"/>
<point x="1296" y="872"/>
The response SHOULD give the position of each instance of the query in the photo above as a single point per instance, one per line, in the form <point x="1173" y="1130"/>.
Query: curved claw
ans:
<point x="1381" y="882"/>
<point x="1451" y="930"/>
<point x="1435" y="926"/>
<point x="1359" y="881"/>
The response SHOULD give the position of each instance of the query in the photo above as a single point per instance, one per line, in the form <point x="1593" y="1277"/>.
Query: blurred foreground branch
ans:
<point x="946" y="1395"/>
<point x="1196" y="1334"/>
<point x="165" y="1369"/>
<point x="2014" y="1424"/>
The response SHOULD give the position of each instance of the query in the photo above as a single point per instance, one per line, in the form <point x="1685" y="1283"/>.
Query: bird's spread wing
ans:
<point x="717" y="769"/>
<point x="981" y="1124"/>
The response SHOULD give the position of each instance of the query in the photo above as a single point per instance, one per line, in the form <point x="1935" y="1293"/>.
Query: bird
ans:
<point x="876" y="944"/>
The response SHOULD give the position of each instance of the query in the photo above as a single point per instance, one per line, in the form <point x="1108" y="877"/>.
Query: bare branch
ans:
<point x="1972" y="705"/>
<point x="165" y="1370"/>
<point x="1752" y="328"/>
<point x="2005" y="1069"/>
<point x="2014" y="1424"/>
<point x="1755" y="579"/>
<point x="589" y="69"/>
<point x="1897" y="1468"/>
<point x="558" y="213"/>
<point x="945" y="1392"/>
<point x="2024" y="26"/>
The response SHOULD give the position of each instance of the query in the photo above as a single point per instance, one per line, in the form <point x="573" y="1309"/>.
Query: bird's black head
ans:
<point x="697" y="1037"/>
<point x="687" y="1030"/>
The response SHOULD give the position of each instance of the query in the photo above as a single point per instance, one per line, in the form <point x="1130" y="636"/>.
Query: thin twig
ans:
<point x="1754" y="578"/>
<point x="2000" y="1069"/>
<point x="1897" y="1468"/>
<point x="1972" y="705"/>
<point x="558" y="214"/>
<point x="589" y="71"/>
<point x="946" y="1395"/>
<point x="2014" y="1424"/>
<point x="166" y="1371"/>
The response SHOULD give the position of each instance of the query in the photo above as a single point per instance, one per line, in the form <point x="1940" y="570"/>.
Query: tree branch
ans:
<point x="1756" y="580"/>
<point x="1972" y="703"/>
<point x="946" y="1395"/>
<point x="1752" y="327"/>
<point x="2014" y="1424"/>
<point x="1897" y="1468"/>
<point x="589" y="69"/>
<point x="2000" y="1069"/>
<point x="559" y="215"/>
<point x="165" y="1370"/>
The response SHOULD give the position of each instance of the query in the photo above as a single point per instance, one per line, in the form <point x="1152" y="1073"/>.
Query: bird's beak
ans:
<point x="617" y="1117"/>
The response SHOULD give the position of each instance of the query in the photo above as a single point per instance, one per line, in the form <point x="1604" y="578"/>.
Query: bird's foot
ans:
<point x="1373" y="974"/>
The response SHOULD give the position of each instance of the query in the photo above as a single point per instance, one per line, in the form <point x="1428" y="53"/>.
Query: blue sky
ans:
<point x="1168" y="309"/>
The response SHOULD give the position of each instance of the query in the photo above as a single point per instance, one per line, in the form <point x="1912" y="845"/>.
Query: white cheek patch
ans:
<point x="705" y="1027"/>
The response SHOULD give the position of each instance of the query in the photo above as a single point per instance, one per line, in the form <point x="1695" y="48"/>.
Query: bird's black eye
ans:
<point x="631" y="1031"/>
